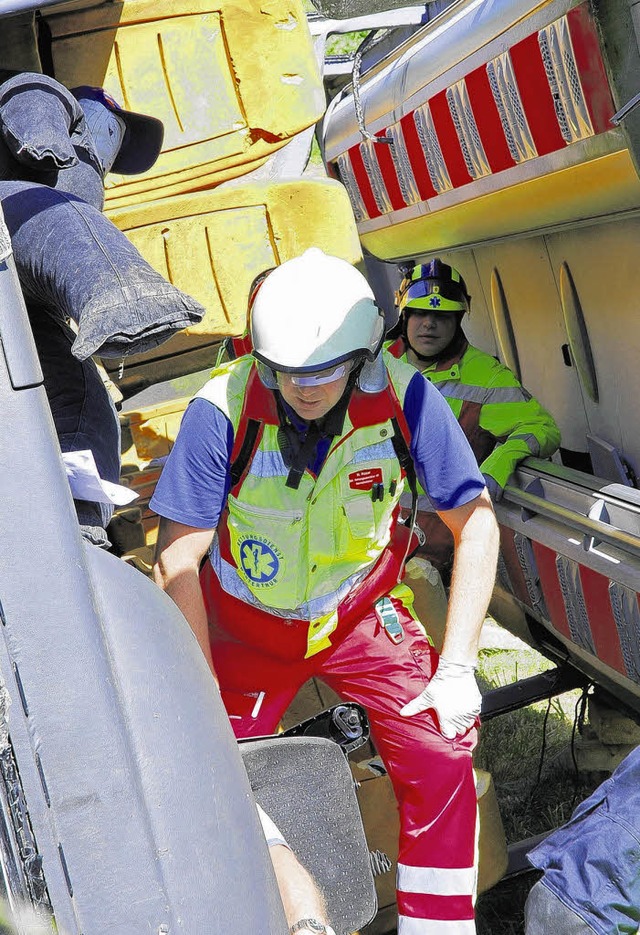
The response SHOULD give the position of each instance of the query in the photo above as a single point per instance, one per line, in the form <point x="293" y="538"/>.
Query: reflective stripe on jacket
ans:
<point x="298" y="552"/>
<point x="503" y="424"/>
<point x="502" y="421"/>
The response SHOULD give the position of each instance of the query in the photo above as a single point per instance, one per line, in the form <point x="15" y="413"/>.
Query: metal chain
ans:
<point x="366" y="44"/>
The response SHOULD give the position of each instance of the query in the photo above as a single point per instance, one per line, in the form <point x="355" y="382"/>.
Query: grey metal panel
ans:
<point x="17" y="343"/>
<point x="142" y="811"/>
<point x="306" y="785"/>
<point x="502" y="575"/>
<point x="591" y="524"/>
<point x="614" y="339"/>
<point x="527" y="278"/>
<point x="524" y="551"/>
<point x="626" y="613"/>
<point x="619" y="22"/>
<point x="574" y="605"/>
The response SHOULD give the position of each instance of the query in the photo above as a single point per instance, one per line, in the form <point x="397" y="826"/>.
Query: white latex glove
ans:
<point x="453" y="694"/>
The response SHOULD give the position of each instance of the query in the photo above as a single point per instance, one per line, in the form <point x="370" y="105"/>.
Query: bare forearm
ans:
<point x="300" y="896"/>
<point x="179" y="552"/>
<point x="474" y="571"/>
<point x="185" y="591"/>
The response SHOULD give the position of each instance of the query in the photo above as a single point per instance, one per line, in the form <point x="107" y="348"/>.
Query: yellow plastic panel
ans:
<point x="603" y="262"/>
<point x="187" y="252"/>
<point x="502" y="324"/>
<point x="577" y="334"/>
<point x="231" y="82"/>
<point x="149" y="432"/>
<point x="530" y="293"/>
<point x="212" y="244"/>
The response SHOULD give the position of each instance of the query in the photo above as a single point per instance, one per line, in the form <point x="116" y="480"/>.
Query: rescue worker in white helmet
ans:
<point x="502" y="421"/>
<point x="297" y="458"/>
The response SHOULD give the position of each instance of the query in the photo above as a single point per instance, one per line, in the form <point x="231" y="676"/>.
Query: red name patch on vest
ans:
<point x="364" y="480"/>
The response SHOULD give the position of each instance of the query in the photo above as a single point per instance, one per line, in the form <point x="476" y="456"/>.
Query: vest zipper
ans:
<point x="295" y="516"/>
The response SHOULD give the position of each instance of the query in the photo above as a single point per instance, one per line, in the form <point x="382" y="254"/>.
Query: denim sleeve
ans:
<point x="194" y="483"/>
<point x="445" y="464"/>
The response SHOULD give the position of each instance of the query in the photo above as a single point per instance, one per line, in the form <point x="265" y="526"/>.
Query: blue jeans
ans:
<point x="74" y="260"/>
<point x="83" y="412"/>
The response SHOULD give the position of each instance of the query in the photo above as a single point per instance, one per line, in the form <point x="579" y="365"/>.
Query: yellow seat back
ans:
<point x="232" y="82"/>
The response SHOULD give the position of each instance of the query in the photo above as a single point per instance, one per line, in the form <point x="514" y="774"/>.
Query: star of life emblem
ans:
<point x="260" y="560"/>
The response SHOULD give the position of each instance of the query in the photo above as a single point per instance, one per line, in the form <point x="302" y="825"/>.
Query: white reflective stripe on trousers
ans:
<point x="436" y="881"/>
<point x="410" y="926"/>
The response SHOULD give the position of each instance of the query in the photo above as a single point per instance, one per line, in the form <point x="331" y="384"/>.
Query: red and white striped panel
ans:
<point x="587" y="608"/>
<point x="547" y="91"/>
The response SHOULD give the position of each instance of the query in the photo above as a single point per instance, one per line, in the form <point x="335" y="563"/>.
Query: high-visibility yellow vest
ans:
<point x="299" y="552"/>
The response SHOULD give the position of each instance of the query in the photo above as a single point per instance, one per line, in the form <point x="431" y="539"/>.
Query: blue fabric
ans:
<point x="592" y="864"/>
<point x="44" y="138"/>
<point x="194" y="483"/>
<point x="83" y="412"/>
<point x="445" y="464"/>
<point x="72" y="259"/>
<point x="73" y="263"/>
<point x="545" y="913"/>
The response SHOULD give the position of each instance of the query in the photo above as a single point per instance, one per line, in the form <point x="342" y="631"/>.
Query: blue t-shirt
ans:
<point x="194" y="483"/>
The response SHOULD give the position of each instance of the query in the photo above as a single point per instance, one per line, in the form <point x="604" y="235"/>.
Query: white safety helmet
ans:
<point x="312" y="312"/>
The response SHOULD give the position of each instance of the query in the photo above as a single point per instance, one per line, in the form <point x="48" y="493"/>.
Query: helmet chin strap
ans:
<point x="299" y="448"/>
<point x="421" y="357"/>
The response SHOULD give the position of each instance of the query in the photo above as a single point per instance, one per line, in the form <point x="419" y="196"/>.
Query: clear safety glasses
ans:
<point x="319" y="377"/>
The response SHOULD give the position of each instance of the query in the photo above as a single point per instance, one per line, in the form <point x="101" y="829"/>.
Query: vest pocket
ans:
<point x="360" y="516"/>
<point x="249" y="514"/>
<point x="264" y="544"/>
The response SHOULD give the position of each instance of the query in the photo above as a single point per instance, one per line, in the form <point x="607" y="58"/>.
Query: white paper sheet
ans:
<point x="86" y="483"/>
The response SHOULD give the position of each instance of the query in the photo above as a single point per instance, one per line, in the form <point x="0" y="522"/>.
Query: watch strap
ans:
<point x="312" y="925"/>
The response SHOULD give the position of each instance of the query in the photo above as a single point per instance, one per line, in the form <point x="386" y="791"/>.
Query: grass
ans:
<point x="345" y="43"/>
<point x="534" y="797"/>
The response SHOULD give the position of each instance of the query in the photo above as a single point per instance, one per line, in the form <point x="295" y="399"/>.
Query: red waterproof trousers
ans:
<point x="259" y="659"/>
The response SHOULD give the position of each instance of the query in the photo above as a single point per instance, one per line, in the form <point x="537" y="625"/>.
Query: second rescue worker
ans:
<point x="502" y="421"/>
<point x="288" y="469"/>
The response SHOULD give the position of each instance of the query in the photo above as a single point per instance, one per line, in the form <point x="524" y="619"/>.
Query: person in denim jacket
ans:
<point x="56" y="146"/>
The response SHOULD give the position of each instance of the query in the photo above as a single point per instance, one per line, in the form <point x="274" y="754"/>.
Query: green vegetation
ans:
<point x="510" y="749"/>
<point x="345" y="43"/>
<point x="315" y="157"/>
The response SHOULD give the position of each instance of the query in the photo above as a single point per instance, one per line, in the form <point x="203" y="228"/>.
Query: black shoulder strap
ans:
<point x="240" y="463"/>
<point x="258" y="409"/>
<point x="403" y="455"/>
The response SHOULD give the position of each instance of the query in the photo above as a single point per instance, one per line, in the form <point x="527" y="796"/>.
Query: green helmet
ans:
<point x="432" y="287"/>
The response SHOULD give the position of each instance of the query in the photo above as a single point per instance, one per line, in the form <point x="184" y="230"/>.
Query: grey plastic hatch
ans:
<point x="138" y="806"/>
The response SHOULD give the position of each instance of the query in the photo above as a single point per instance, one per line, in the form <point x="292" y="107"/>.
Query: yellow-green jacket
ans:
<point x="503" y="422"/>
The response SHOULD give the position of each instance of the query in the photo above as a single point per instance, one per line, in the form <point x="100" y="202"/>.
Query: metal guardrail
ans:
<point x="542" y="487"/>
<point x="405" y="16"/>
<point x="593" y="530"/>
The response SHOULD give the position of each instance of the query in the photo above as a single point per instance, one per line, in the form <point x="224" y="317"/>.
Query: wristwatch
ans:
<point x="312" y="925"/>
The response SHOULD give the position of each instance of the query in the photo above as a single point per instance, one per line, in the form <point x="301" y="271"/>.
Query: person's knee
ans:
<point x="545" y="913"/>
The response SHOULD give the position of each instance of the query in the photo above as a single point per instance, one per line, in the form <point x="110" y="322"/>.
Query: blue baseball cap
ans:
<point x="143" y="136"/>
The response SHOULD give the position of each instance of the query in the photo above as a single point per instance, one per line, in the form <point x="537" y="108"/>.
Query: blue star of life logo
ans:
<point x="259" y="561"/>
<point x="434" y="301"/>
